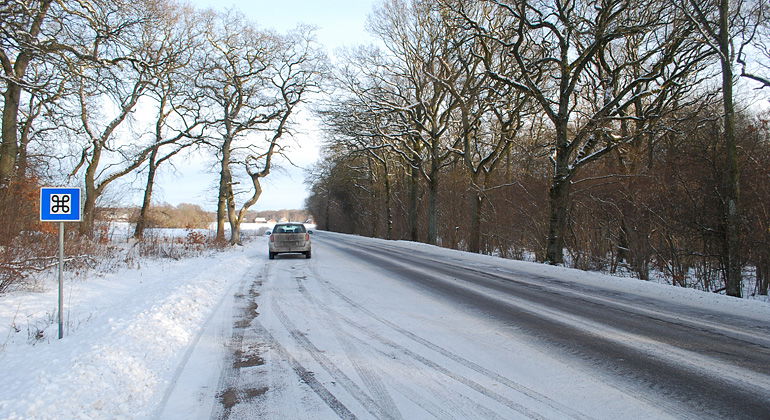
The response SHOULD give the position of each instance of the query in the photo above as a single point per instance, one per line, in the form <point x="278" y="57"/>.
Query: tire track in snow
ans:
<point x="440" y="369"/>
<point x="463" y="406"/>
<point x="519" y="388"/>
<point x="305" y="375"/>
<point x="566" y="411"/>
<point x="412" y="368"/>
<point x="657" y="349"/>
<point x="371" y="379"/>
<point x="429" y="406"/>
<point x="230" y="375"/>
<point x="350" y="386"/>
<point x="458" y="403"/>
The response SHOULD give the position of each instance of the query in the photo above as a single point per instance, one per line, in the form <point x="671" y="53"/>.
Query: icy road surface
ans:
<point x="375" y="329"/>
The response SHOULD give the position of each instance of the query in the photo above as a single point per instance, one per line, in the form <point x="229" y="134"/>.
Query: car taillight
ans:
<point x="272" y="238"/>
<point x="307" y="237"/>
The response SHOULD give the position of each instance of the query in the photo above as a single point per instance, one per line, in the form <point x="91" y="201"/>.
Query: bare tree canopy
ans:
<point x="251" y="81"/>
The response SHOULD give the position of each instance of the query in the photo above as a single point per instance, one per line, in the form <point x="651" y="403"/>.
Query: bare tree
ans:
<point x="21" y="33"/>
<point x="298" y="70"/>
<point x="373" y="111"/>
<point x="557" y="50"/>
<point x="719" y="23"/>
<point x="753" y="52"/>
<point x="253" y="80"/>
<point x="179" y="118"/>
<point x="419" y="42"/>
<point x="488" y="117"/>
<point x="233" y="77"/>
<point x="128" y="57"/>
<point x="350" y="125"/>
<point x="620" y="158"/>
<point x="41" y="118"/>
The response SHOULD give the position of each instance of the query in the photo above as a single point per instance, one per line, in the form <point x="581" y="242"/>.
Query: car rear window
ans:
<point x="289" y="229"/>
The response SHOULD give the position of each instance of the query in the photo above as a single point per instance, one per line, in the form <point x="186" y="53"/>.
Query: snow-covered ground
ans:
<point x="125" y="333"/>
<point x="148" y="342"/>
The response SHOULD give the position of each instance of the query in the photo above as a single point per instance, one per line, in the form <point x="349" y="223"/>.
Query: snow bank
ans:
<point x="126" y="333"/>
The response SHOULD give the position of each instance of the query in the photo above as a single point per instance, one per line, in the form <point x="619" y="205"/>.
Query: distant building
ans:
<point x="115" y="214"/>
<point x="260" y="220"/>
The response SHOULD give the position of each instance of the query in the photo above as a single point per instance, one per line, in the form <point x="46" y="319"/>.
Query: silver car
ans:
<point x="289" y="238"/>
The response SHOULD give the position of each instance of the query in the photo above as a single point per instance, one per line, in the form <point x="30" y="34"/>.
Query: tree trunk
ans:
<point x="375" y="200"/>
<point x="22" y="163"/>
<point x="623" y="242"/>
<point x="147" y="201"/>
<point x="433" y="197"/>
<point x="9" y="145"/>
<point x="327" y="217"/>
<point x="86" y="226"/>
<point x="92" y="193"/>
<point x="415" y="178"/>
<point x="235" y="232"/>
<point x="732" y="218"/>
<point x="388" y="204"/>
<point x="642" y="268"/>
<point x="12" y="99"/>
<point x="235" y="223"/>
<point x="558" y="197"/>
<point x="224" y="183"/>
<point x="433" y="210"/>
<point x="477" y="203"/>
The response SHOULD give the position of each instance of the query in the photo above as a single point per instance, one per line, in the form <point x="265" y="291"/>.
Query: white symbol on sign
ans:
<point x="61" y="204"/>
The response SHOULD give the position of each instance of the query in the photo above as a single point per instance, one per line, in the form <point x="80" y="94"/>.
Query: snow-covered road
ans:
<point x="378" y="329"/>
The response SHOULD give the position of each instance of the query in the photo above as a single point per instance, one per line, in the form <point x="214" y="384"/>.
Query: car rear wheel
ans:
<point x="271" y="255"/>
<point x="307" y="255"/>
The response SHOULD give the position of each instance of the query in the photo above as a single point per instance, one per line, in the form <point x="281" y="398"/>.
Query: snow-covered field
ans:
<point x="129" y="332"/>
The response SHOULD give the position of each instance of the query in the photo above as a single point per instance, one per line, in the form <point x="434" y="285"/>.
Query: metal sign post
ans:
<point x="60" y="205"/>
<point x="61" y="279"/>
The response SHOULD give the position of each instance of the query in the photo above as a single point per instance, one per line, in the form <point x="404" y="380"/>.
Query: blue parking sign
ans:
<point x="60" y="204"/>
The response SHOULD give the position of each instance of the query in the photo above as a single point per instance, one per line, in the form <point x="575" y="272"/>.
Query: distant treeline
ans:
<point x="190" y="216"/>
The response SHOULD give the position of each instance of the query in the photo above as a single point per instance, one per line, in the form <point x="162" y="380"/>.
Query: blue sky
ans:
<point x="339" y="24"/>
